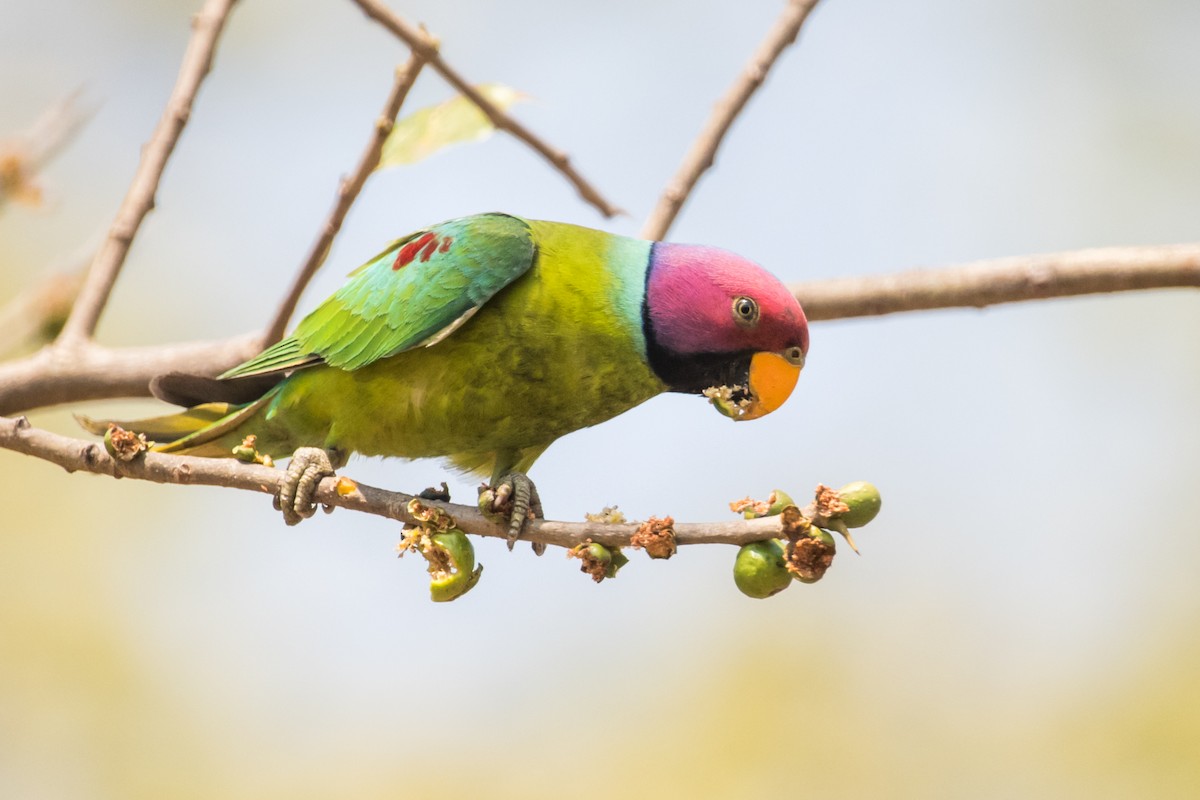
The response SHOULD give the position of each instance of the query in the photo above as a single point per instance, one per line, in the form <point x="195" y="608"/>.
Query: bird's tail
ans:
<point x="212" y="430"/>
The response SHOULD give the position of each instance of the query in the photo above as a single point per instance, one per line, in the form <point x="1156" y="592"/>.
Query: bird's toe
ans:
<point x="515" y="499"/>
<point x="298" y="489"/>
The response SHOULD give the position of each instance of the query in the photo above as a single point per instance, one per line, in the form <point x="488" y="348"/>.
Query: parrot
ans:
<point x="484" y="339"/>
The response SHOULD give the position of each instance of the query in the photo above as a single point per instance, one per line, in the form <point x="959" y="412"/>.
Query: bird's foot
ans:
<point x="515" y="500"/>
<point x="299" y="485"/>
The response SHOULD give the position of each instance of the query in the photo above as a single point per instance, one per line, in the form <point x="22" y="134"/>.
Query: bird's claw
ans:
<point x="297" y="490"/>
<point x="516" y="498"/>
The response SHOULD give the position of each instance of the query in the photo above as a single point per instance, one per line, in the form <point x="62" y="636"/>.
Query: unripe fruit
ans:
<point x="778" y="501"/>
<point x="599" y="561"/>
<point x="760" y="570"/>
<point x="864" y="501"/>
<point x="452" y="569"/>
<point x="598" y="554"/>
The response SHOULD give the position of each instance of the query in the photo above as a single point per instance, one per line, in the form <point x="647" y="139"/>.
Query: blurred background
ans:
<point x="1022" y="621"/>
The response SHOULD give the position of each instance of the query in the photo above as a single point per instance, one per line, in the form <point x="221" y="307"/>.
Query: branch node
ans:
<point x="92" y="457"/>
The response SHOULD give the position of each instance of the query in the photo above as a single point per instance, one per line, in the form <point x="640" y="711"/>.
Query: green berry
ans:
<point x="245" y="454"/>
<point x="864" y="501"/>
<point x="778" y="501"/>
<point x="599" y="554"/>
<point x="760" y="570"/>
<point x="599" y="561"/>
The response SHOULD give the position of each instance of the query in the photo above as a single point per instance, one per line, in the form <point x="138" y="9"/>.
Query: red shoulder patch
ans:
<point x="409" y="252"/>
<point x="429" y="249"/>
<point x="424" y="246"/>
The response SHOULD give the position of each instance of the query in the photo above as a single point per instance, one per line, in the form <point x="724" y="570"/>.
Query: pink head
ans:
<point x="714" y="319"/>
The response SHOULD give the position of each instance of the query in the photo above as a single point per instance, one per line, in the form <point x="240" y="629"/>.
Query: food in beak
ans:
<point x="770" y="381"/>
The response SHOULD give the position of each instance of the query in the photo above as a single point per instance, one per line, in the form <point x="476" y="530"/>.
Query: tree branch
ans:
<point x="102" y="275"/>
<point x="78" y="455"/>
<point x="704" y="150"/>
<point x="1004" y="280"/>
<point x="418" y="42"/>
<point x="348" y="192"/>
<point x="55" y="375"/>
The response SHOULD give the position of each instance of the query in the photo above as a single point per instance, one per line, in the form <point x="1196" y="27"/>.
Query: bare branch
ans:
<point x="56" y="375"/>
<point x="420" y="44"/>
<point x="102" y="275"/>
<point x="78" y="455"/>
<point x="348" y="192"/>
<point x="704" y="150"/>
<point x="1004" y="280"/>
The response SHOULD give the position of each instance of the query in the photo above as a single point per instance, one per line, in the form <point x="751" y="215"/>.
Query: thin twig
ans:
<point x="1004" y="280"/>
<point x="348" y="191"/>
<point x="704" y="150"/>
<point x="102" y="275"/>
<point x="418" y="41"/>
<point x="78" y="455"/>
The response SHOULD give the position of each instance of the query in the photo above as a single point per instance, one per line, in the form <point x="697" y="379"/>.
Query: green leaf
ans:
<point x="458" y="120"/>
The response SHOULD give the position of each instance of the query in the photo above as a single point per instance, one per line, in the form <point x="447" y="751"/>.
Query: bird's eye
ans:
<point x="745" y="311"/>
<point x="794" y="355"/>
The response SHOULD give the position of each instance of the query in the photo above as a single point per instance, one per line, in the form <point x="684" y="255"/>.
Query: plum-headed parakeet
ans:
<point x="483" y="340"/>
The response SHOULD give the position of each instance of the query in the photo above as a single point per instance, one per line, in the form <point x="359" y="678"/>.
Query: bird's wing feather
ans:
<point x="415" y="292"/>
<point x="280" y="357"/>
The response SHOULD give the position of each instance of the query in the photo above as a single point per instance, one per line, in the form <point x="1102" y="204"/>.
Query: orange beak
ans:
<point x="772" y="379"/>
<point x="769" y="384"/>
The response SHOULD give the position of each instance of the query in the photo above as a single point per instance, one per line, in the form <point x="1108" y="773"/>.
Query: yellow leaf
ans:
<point x="458" y="120"/>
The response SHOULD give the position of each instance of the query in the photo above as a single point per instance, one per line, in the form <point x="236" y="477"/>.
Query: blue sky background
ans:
<point x="1022" y="620"/>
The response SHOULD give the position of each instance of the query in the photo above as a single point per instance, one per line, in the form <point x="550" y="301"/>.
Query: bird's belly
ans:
<point x="470" y="396"/>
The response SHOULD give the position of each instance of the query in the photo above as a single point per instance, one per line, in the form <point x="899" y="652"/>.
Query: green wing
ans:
<point x="414" y="293"/>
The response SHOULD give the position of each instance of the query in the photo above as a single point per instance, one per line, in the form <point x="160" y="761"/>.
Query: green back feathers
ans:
<point x="414" y="293"/>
